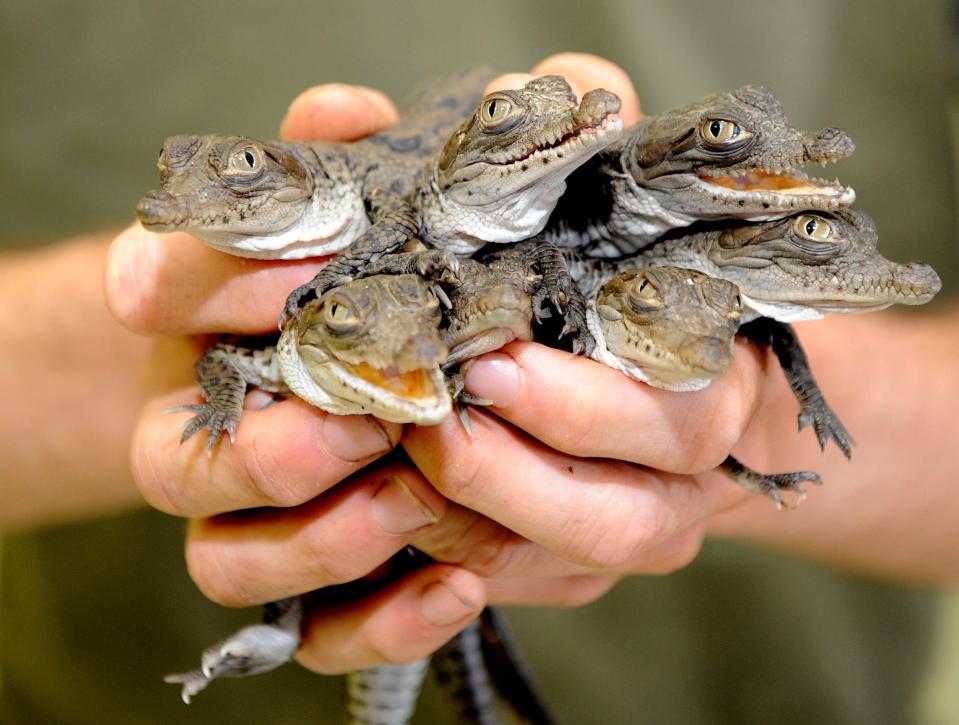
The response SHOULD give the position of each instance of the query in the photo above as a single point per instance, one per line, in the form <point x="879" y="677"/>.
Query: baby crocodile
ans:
<point x="497" y="179"/>
<point x="290" y="199"/>
<point x="798" y="268"/>
<point x="369" y="346"/>
<point x="730" y="155"/>
<point x="674" y="329"/>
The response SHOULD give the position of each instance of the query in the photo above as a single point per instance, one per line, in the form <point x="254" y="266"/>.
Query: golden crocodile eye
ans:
<point x="245" y="160"/>
<point x="339" y="317"/>
<point x="494" y="110"/>
<point x="644" y="295"/>
<point x="813" y="227"/>
<point x="718" y="130"/>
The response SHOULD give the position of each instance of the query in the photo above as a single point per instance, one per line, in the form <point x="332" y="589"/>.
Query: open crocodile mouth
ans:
<point x="780" y="184"/>
<point x="412" y="385"/>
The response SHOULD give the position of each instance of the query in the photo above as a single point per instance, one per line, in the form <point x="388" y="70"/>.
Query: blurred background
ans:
<point x="93" y="614"/>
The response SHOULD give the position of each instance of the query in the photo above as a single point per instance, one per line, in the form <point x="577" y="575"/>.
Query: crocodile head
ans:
<point x="670" y="327"/>
<point x="735" y="155"/>
<point x="490" y="307"/>
<point x="370" y="346"/>
<point x="248" y="197"/>
<point x="500" y="175"/>
<point x="810" y="264"/>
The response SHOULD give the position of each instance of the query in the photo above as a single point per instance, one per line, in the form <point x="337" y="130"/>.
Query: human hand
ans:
<point x="287" y="455"/>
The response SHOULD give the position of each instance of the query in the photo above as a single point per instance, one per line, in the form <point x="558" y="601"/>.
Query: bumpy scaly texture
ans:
<point x="496" y="180"/>
<point x="674" y="329"/>
<point x="370" y="346"/>
<point x="668" y="326"/>
<point x="798" y="268"/>
<point x="500" y="175"/>
<point x="384" y="695"/>
<point x="731" y="155"/>
<point x="250" y="651"/>
<point x="287" y="200"/>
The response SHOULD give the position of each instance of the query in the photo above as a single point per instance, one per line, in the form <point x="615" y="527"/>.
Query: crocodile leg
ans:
<point x="768" y="484"/>
<point x="250" y="651"/>
<point x="461" y="673"/>
<point x="394" y="224"/>
<point x="813" y="409"/>
<point x="223" y="374"/>
<point x="384" y="695"/>
<point x="558" y="286"/>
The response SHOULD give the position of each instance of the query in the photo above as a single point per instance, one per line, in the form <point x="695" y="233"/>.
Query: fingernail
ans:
<point x="397" y="510"/>
<point x="442" y="606"/>
<point x="495" y="377"/>
<point x="354" y="437"/>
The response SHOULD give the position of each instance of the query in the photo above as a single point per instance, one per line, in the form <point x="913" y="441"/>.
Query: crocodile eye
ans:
<point x="496" y="109"/>
<point x="736" y="309"/>
<point x="720" y="131"/>
<point x="244" y="161"/>
<point x="339" y="317"/>
<point x="643" y="295"/>
<point x="498" y="114"/>
<point x="813" y="227"/>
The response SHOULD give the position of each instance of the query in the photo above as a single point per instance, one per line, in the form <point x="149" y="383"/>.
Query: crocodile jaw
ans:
<point x="418" y="396"/>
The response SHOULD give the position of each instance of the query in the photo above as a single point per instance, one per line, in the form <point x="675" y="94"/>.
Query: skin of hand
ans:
<point x="611" y="490"/>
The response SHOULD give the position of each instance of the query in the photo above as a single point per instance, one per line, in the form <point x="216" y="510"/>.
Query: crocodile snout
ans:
<point x="596" y="105"/>
<point x="918" y="283"/>
<point x="829" y="144"/>
<point x="710" y="355"/>
<point x="421" y="351"/>
<point x="160" y="210"/>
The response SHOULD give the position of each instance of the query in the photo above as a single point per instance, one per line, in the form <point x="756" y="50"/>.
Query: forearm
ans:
<point x="72" y="388"/>
<point x="892" y="510"/>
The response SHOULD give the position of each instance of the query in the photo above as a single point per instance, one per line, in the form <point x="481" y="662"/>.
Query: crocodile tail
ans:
<point x="384" y="695"/>
<point x="509" y="672"/>
<point x="461" y="674"/>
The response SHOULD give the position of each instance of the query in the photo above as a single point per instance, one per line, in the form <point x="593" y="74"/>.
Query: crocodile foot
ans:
<point x="770" y="484"/>
<point x="250" y="651"/>
<point x="463" y="399"/>
<point x="827" y="426"/>
<point x="208" y="416"/>
<point x="438" y="265"/>
<point x="305" y="293"/>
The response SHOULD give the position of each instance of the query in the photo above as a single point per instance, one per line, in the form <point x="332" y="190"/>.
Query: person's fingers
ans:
<point x="339" y="536"/>
<point x="559" y="399"/>
<point x="468" y="539"/>
<point x="599" y="513"/>
<point x="508" y="82"/>
<point x="572" y="591"/>
<point x="406" y="620"/>
<point x="337" y="112"/>
<point x="585" y="72"/>
<point x="284" y="455"/>
<point x="173" y="284"/>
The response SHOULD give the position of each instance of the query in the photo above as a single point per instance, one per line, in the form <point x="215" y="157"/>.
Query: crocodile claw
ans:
<point x="770" y="484"/>
<point x="210" y="417"/>
<point x="438" y="265"/>
<point x="827" y="426"/>
<point x="305" y="293"/>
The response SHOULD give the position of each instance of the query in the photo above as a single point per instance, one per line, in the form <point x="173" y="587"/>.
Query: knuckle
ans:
<point x="490" y="557"/>
<point x="160" y="491"/>
<point x="582" y="590"/>
<point x="677" y="553"/>
<point x="619" y="536"/>
<point x="217" y="580"/>
<point x="272" y="481"/>
<point x="327" y="564"/>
